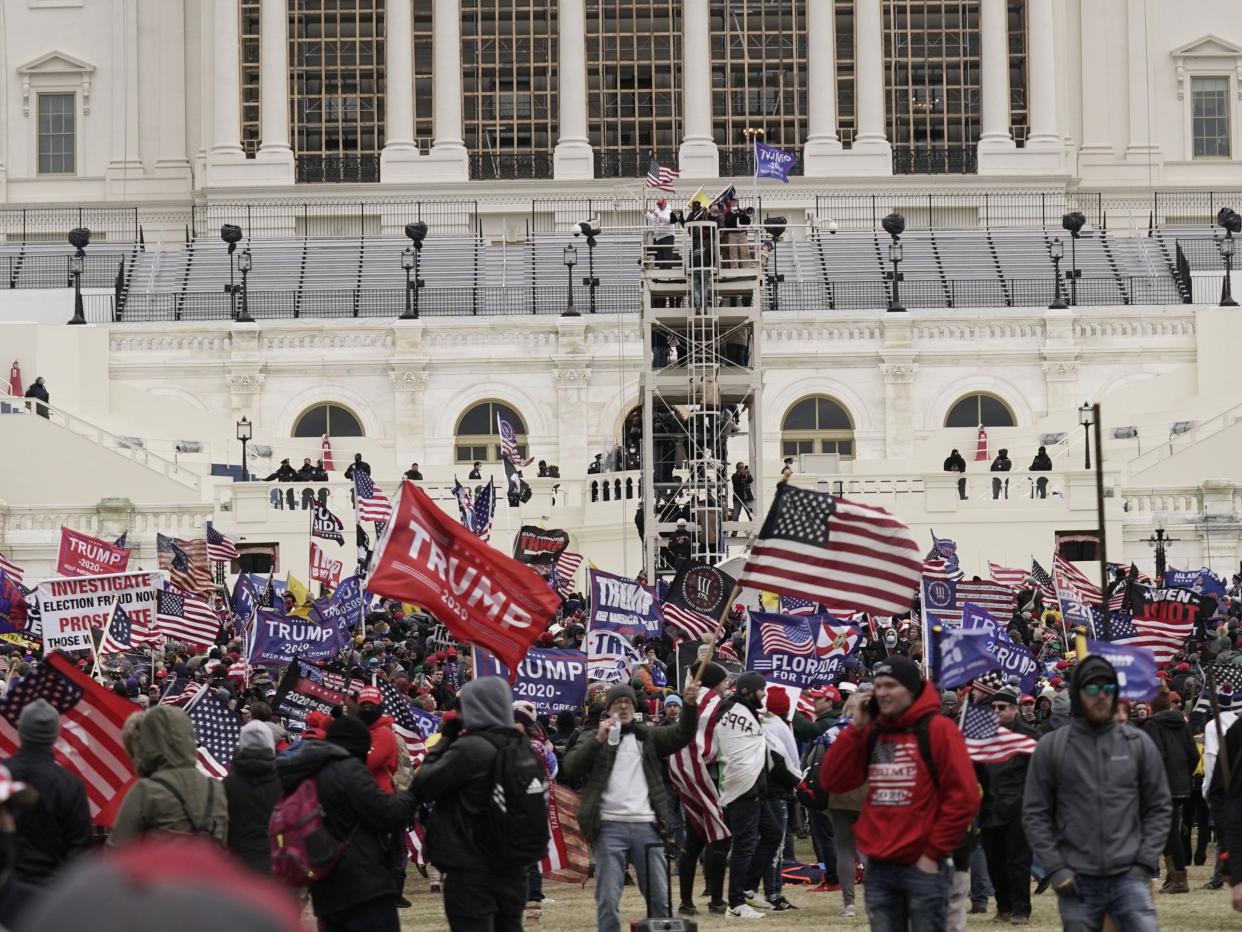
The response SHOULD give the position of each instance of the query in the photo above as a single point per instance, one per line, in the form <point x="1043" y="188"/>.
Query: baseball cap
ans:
<point x="370" y="694"/>
<point x="824" y="692"/>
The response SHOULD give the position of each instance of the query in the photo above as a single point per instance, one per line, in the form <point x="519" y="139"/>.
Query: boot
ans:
<point x="1168" y="876"/>
<point x="1177" y="883"/>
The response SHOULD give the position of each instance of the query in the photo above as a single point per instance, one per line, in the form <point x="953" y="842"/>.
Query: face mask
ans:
<point x="370" y="716"/>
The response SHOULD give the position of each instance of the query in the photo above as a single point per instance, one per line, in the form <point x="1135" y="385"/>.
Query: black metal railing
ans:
<point x="1202" y="253"/>
<point x="1181" y="269"/>
<point x="629" y="164"/>
<point x="99" y="270"/>
<point x="486" y="166"/>
<point x="52" y="224"/>
<point x="935" y="160"/>
<point x="337" y="169"/>
<point x="932" y="210"/>
<point x="1186" y="208"/>
<point x="336" y="217"/>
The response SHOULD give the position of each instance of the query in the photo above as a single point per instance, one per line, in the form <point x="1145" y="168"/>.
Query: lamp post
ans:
<point x="1073" y="221"/>
<point x="1160" y="543"/>
<point x="417" y="232"/>
<point x="245" y="430"/>
<point x="1224" y="242"/>
<point x="411" y="292"/>
<point x="571" y="259"/>
<point x="1086" y="419"/>
<point x="231" y="233"/>
<point x="79" y="239"/>
<point x="1056" y="249"/>
<point x="590" y="231"/>
<point x="245" y="262"/>
<point x="895" y="256"/>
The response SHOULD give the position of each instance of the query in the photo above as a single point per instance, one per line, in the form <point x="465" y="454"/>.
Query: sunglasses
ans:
<point x="1094" y="689"/>
<point x="1000" y="706"/>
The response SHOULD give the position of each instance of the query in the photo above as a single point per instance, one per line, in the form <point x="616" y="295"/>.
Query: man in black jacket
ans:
<point x="1002" y="463"/>
<point x="954" y="463"/>
<point x="457" y="776"/>
<point x="285" y="473"/>
<point x="57" y="827"/>
<point x="361" y="891"/>
<point x="252" y="789"/>
<point x="1000" y="820"/>
<point x="358" y="464"/>
<point x="1041" y="463"/>
<point x="38" y="391"/>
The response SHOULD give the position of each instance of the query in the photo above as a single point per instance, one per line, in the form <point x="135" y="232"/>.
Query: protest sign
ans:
<point x="277" y="639"/>
<point x="344" y="608"/>
<point x="1135" y="666"/>
<point x="689" y="653"/>
<point x="537" y="545"/>
<point x="1013" y="659"/>
<point x="83" y="555"/>
<point x="71" y="607"/>
<point x="623" y="605"/>
<point x="799" y="650"/>
<point x="553" y="679"/>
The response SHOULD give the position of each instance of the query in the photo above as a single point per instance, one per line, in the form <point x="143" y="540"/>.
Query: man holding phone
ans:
<point x="921" y="796"/>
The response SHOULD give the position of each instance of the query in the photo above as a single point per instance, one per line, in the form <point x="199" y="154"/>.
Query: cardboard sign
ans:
<point x="70" y="608"/>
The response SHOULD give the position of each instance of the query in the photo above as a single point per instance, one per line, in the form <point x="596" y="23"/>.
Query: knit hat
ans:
<point x="524" y="713"/>
<point x="672" y="699"/>
<point x="620" y="691"/>
<point x="1005" y="695"/>
<point x="256" y="736"/>
<point x="750" y="682"/>
<point x="352" y="734"/>
<point x="904" y="670"/>
<point x="39" y="724"/>
<point x="777" y="701"/>
<point x="713" y="675"/>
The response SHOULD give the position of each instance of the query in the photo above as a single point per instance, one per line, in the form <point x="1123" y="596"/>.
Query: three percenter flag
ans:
<point x="847" y="556"/>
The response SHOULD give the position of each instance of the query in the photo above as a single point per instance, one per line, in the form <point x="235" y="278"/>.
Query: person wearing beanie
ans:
<point x="922" y="794"/>
<point x="672" y="708"/>
<point x="361" y="891"/>
<point x="252" y="790"/>
<point x="1100" y="844"/>
<point x="624" y="811"/>
<point x="57" y="828"/>
<point x="1167" y="728"/>
<point x="457" y="775"/>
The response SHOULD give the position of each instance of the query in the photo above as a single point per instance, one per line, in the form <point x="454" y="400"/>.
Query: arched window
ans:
<point x="817" y="425"/>
<point x="980" y="409"/>
<point x="328" y="419"/>
<point x="478" y="436"/>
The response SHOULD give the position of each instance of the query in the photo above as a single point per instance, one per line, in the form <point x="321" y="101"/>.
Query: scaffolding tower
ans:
<point x="701" y="388"/>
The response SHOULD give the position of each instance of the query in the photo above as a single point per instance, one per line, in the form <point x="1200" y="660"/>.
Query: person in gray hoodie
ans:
<point x="1097" y="808"/>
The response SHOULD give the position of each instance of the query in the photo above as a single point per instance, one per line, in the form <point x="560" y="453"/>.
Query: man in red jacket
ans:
<point x="921" y="796"/>
<point x="382" y="759"/>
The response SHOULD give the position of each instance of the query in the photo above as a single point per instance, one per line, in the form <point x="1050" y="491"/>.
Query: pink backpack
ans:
<point x="303" y="850"/>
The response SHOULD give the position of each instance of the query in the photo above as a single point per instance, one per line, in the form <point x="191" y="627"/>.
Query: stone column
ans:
<point x="409" y="383"/>
<point x="171" y="159"/>
<point x="449" y="160"/>
<point x="572" y="377"/>
<point x="1142" y="146"/>
<point x="226" y="84"/>
<point x="573" y="158"/>
<point x="399" y="158"/>
<point x="872" y="153"/>
<point x="822" y="141"/>
<point x="899" y="371"/>
<point x="1041" y="77"/>
<point x="274" y="85"/>
<point x="994" y="76"/>
<point x="125" y="158"/>
<point x="1095" y="143"/>
<point x="698" y="156"/>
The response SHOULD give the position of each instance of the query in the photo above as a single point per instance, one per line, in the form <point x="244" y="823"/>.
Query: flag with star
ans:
<point x="326" y="525"/>
<point x="986" y="741"/>
<point x="847" y="556"/>
<point x="219" y="548"/>
<point x="218" y="729"/>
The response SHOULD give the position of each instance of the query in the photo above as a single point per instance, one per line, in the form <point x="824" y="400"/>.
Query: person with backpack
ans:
<point x="331" y="830"/>
<point x="1167" y="728"/>
<point x="624" y="812"/>
<point x="921" y="795"/>
<point x="252" y="790"/>
<point x="1100" y="841"/>
<point x="490" y="819"/>
<point x="173" y="795"/>
<point x="383" y="761"/>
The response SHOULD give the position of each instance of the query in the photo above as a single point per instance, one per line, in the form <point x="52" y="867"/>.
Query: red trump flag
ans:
<point x="483" y="596"/>
<point x="83" y="555"/>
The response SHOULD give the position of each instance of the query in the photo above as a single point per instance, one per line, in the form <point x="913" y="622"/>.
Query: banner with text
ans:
<point x="553" y="679"/>
<point x="1135" y="666"/>
<point x="536" y="545"/>
<point x="623" y="605"/>
<point x="83" y="555"/>
<point x="71" y="607"/>
<point x="1013" y="659"/>
<point x="306" y="688"/>
<point x="609" y="656"/>
<point x="277" y="639"/>
<point x="799" y="650"/>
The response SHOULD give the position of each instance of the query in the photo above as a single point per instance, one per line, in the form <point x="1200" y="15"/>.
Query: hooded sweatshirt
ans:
<point x="906" y="814"/>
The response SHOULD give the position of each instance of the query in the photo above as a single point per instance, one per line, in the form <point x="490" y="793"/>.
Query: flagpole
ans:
<point x="94" y="650"/>
<point x="711" y="644"/>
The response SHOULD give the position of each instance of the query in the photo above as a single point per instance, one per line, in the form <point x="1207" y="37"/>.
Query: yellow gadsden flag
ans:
<point x="699" y="197"/>
<point x="301" y="596"/>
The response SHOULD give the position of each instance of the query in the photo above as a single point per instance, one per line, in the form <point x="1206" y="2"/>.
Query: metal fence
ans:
<point x="338" y="169"/>
<point x="930" y="210"/>
<point x="1186" y="208"/>
<point x="52" y="224"/>
<point x="336" y="217"/>
<point x="495" y="166"/>
<point x="1202" y="253"/>
<point x="99" y="270"/>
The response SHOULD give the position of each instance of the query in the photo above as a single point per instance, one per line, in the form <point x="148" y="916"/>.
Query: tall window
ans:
<point x="980" y="409"/>
<point x="57" y="140"/>
<point x="336" y="62"/>
<point x="758" y="78"/>
<point x="330" y="419"/>
<point x="509" y="81"/>
<point x="478" y="437"/>
<point x="817" y="425"/>
<point x="633" y="53"/>
<point x="1210" y="117"/>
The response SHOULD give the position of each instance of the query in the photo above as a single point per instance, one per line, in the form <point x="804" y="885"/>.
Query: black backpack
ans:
<point x="514" y="829"/>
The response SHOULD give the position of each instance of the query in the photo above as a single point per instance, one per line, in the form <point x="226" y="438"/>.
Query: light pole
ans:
<point x="417" y="232"/>
<point x="245" y="262"/>
<point x="245" y="430"/>
<point x="79" y="239"/>
<point x="231" y="233"/>
<point x="587" y="229"/>
<point x="571" y="259"/>
<point x="1073" y="222"/>
<point x="1086" y="418"/>
<point x="1160" y="543"/>
<point x="1227" y="223"/>
<point x="407" y="263"/>
<point x="1056" y="249"/>
<point x="894" y="225"/>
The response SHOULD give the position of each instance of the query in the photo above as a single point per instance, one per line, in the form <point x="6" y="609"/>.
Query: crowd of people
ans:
<point x="684" y="767"/>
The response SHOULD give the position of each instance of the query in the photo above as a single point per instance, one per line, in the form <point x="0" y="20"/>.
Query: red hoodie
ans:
<point x="906" y="814"/>
<point x="382" y="759"/>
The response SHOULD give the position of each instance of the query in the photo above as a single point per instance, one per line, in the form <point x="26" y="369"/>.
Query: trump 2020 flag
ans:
<point x="1135" y="666"/>
<point x="482" y="596"/>
<point x="771" y="162"/>
<point x="959" y="655"/>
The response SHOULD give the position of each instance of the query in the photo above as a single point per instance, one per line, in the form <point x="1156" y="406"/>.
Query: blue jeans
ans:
<point x="901" y="897"/>
<point x="825" y="844"/>
<point x="980" y="881"/>
<point x="622" y="843"/>
<point x="1127" y="900"/>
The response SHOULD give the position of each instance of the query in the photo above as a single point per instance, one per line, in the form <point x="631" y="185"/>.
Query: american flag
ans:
<point x="688" y="769"/>
<point x="1064" y="569"/>
<point x="660" y="176"/>
<point x="1164" y="639"/>
<point x="847" y="556"/>
<point x="91" y="717"/>
<point x="1042" y="580"/>
<point x="404" y="725"/>
<point x="122" y="634"/>
<point x="997" y="600"/>
<point x="180" y="691"/>
<point x="566" y="571"/>
<point x="569" y="856"/>
<point x="508" y="444"/>
<point x="696" y="625"/>
<point x="945" y="548"/>
<point x="1015" y="579"/>
<point x="987" y="742"/>
<point x="793" y="605"/>
<point x="369" y="501"/>
<point x="325" y="524"/>
<point x="323" y="568"/>
<point x="218" y="729"/>
<point x="186" y="562"/>
<point x="483" y="510"/>
<point x="11" y="569"/>
<point x="219" y="548"/>
<point x="789" y="637"/>
<point x="183" y="616"/>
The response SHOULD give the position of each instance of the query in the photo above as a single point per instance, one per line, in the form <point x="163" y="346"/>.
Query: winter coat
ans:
<point x="166" y="750"/>
<point x="1003" y="784"/>
<point x="382" y="759"/>
<point x="1171" y="735"/>
<point x="39" y="392"/>
<point x="806" y="730"/>
<point x="593" y="761"/>
<point x="356" y="811"/>
<point x="901" y="822"/>
<point x="252" y="789"/>
<point x="57" y="827"/>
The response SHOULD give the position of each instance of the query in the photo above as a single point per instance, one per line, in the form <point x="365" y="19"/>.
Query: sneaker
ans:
<point x="717" y="909"/>
<point x="403" y="903"/>
<point x="849" y="912"/>
<point x="1000" y="917"/>
<point x="547" y="901"/>
<point x="687" y="909"/>
<point x="743" y="912"/>
<point x="1214" y="884"/>
<point x="978" y="910"/>
<point x="779" y="904"/>
<point x="754" y="901"/>
<point x="826" y="887"/>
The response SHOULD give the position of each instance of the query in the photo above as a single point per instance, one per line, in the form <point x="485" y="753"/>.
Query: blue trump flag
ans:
<point x="277" y="639"/>
<point x="961" y="654"/>
<point x="1135" y="666"/>
<point x="554" y="679"/>
<point x="428" y="724"/>
<point x="1013" y="659"/>
<point x="344" y="608"/>
<point x="624" y="606"/>
<point x="771" y="162"/>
